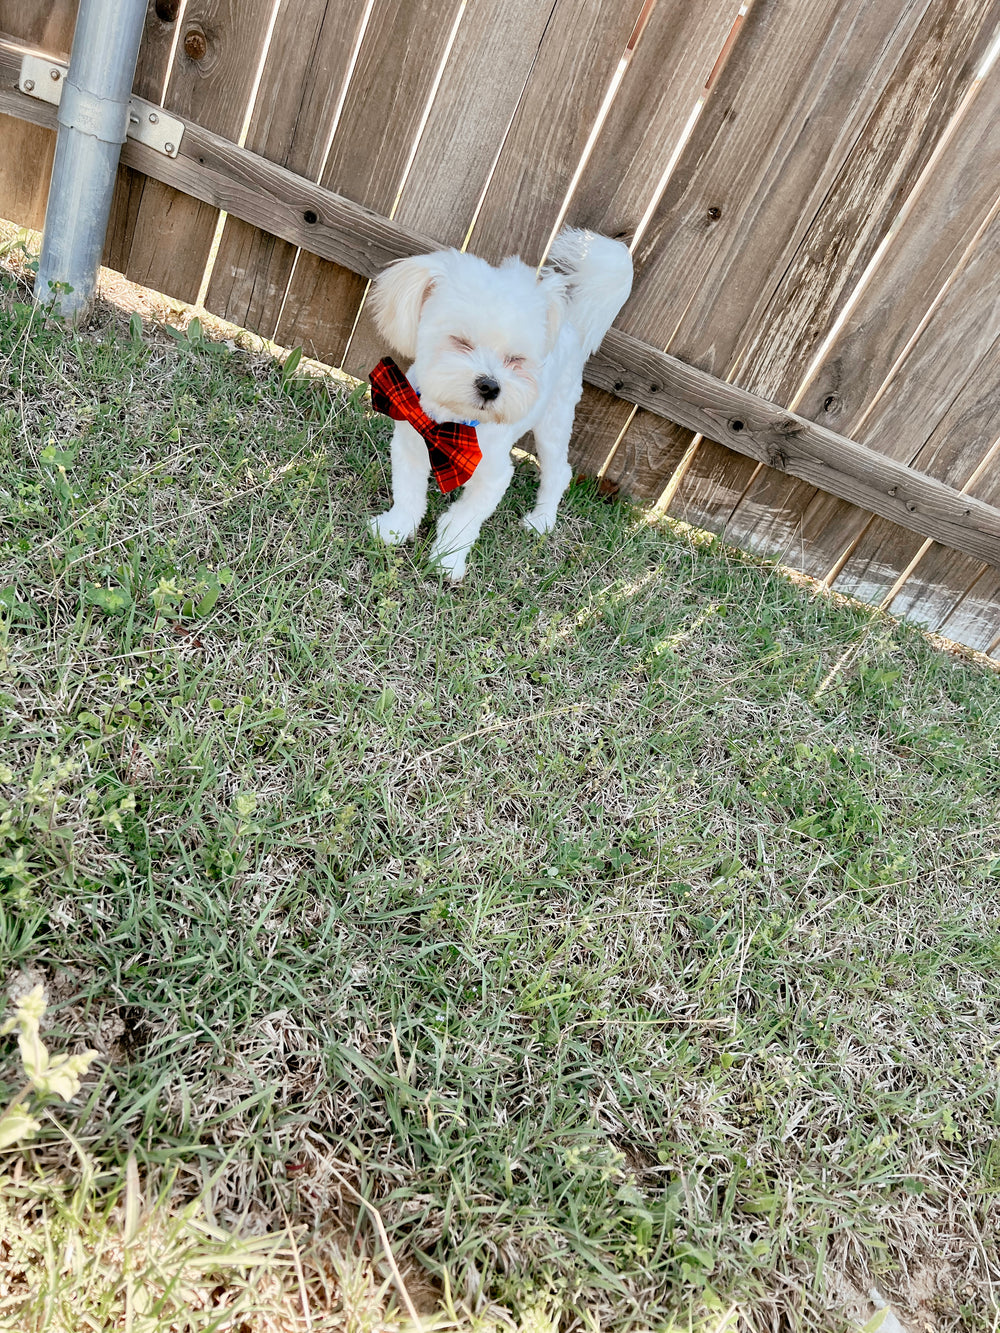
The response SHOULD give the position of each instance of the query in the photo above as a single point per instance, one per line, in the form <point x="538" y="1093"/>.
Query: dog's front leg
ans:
<point x="411" y="467"/>
<point x="459" y="526"/>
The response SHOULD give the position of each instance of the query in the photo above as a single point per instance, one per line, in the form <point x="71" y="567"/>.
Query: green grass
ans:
<point x="621" y="926"/>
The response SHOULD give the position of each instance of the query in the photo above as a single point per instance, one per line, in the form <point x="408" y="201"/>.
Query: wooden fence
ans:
<point x="810" y="361"/>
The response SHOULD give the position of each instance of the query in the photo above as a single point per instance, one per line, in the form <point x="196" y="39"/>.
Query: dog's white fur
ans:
<point x="464" y="323"/>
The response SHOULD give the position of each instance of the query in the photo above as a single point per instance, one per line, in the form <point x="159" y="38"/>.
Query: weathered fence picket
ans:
<point x="27" y="152"/>
<point x="210" y="82"/>
<point x="905" y="129"/>
<point x="773" y="135"/>
<point x="402" y="50"/>
<point x="482" y="82"/>
<point x="307" y="66"/>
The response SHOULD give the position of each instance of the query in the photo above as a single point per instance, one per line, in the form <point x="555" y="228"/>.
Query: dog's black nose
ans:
<point x="487" y="388"/>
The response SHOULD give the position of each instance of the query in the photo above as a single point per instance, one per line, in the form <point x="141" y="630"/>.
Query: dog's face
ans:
<point x="478" y="335"/>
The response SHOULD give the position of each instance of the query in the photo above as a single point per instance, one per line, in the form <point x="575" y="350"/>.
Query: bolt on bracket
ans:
<point x="147" y="123"/>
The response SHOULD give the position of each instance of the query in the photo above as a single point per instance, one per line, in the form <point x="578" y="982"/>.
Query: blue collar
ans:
<point x="460" y="421"/>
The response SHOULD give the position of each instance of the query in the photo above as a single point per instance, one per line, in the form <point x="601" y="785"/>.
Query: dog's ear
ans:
<point x="398" y="295"/>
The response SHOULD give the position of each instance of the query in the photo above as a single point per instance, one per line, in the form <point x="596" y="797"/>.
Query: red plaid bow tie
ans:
<point x="452" y="445"/>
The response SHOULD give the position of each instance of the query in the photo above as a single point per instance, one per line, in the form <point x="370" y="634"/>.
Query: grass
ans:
<point x="613" y="937"/>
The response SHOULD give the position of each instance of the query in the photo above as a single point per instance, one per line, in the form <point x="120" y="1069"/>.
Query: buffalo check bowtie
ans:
<point x="452" y="445"/>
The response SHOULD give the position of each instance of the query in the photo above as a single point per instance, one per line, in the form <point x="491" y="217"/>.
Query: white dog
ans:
<point x="503" y="348"/>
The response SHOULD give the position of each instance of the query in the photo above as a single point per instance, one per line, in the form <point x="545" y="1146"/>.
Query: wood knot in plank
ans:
<point x="195" y="44"/>
<point x="776" y="457"/>
<point x="788" y="426"/>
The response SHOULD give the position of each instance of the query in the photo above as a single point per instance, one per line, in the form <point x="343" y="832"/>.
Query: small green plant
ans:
<point x="190" y="599"/>
<point x="22" y="249"/>
<point x="111" y="599"/>
<point x="46" y="1075"/>
<point x="289" y="366"/>
<point x="190" y="337"/>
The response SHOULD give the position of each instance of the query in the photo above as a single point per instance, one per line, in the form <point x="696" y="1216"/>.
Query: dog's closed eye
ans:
<point x="514" y="362"/>
<point x="462" y="345"/>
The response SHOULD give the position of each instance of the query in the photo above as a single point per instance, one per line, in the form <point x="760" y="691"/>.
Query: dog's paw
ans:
<point x="539" y="521"/>
<point x="451" y="568"/>
<point x="392" y="528"/>
<point x="450" y="563"/>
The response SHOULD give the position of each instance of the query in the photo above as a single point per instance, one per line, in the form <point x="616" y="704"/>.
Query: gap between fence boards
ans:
<point x="274" y="199"/>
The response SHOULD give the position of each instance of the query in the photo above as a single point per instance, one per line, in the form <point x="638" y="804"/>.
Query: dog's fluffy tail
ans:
<point x="597" y="276"/>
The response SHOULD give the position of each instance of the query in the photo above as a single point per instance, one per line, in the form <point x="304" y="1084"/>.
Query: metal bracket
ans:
<point x="147" y="123"/>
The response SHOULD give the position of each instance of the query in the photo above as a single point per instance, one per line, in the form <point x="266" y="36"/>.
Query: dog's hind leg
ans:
<point x="552" y="448"/>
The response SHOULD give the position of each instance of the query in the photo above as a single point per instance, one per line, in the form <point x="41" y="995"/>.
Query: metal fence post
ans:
<point x="93" y="117"/>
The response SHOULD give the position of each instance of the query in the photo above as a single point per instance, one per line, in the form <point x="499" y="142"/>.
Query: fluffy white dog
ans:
<point x="503" y="348"/>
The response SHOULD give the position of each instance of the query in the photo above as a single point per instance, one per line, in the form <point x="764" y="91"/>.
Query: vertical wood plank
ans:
<point x="965" y="609"/>
<point x="626" y="167"/>
<point x="210" y="83"/>
<point x="495" y="47"/>
<point x="775" y="133"/>
<point x="580" y="51"/>
<point x="922" y="260"/>
<point x="150" y="75"/>
<point x="947" y="397"/>
<point x="763" y="311"/>
<point x="947" y="591"/>
<point x="954" y="201"/>
<point x="48" y="26"/>
<point x="972" y="616"/>
<point x="665" y="78"/>
<point x="398" y="61"/>
<point x="301" y="86"/>
<point x="28" y="150"/>
<point x="647" y="456"/>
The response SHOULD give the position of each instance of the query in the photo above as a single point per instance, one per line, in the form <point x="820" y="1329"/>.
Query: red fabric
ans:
<point x="453" y="447"/>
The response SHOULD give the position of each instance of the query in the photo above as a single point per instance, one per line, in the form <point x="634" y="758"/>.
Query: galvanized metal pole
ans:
<point x="93" y="118"/>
